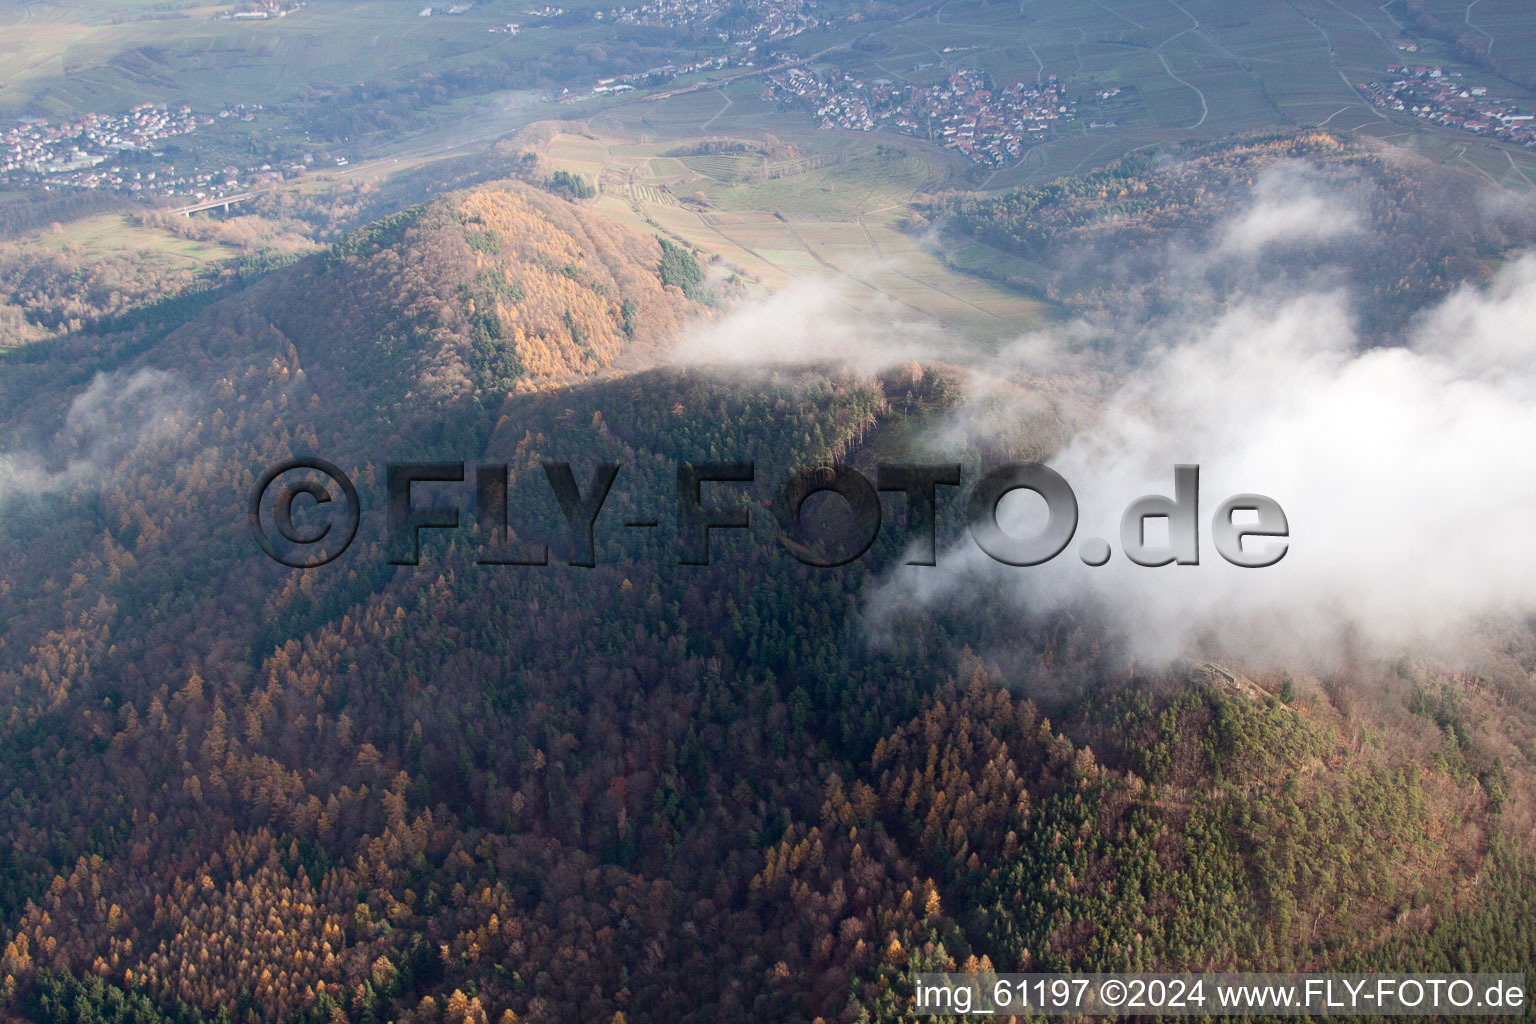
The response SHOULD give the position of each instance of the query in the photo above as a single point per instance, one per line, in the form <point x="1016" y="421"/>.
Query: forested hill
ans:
<point x="476" y="293"/>
<point x="644" y="791"/>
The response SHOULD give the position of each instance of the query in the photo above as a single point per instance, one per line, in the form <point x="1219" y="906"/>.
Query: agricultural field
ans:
<point x="798" y="200"/>
<point x="1500" y="33"/>
<point x="105" y="235"/>
<point x="1198" y="69"/>
<point x="1183" y="68"/>
<point x="837" y="210"/>
<point x="65" y="58"/>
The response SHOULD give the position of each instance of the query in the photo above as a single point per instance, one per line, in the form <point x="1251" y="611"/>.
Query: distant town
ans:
<point x="120" y="153"/>
<point x="1444" y="97"/>
<point x="990" y="125"/>
<point x="754" y="21"/>
<point x="262" y="10"/>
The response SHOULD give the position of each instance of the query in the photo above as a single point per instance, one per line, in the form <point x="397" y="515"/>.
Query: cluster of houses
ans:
<point x="1443" y="97"/>
<point x="262" y="10"/>
<point x="36" y="147"/>
<point x="120" y="153"/>
<point x="157" y="179"/>
<point x="661" y="73"/>
<point x="991" y="125"/>
<point x="766" y="20"/>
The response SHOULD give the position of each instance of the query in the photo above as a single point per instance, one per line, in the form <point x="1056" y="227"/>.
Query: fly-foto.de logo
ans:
<point x="306" y="512"/>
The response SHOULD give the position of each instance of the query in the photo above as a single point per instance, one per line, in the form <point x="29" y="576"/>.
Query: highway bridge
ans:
<point x="223" y="201"/>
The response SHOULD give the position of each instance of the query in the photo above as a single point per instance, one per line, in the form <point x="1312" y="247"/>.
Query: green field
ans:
<point x="61" y="58"/>
<point x="112" y="233"/>
<point x="837" y="211"/>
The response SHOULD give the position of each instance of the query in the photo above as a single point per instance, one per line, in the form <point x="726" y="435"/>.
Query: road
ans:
<point x="1488" y="35"/>
<point x="705" y="126"/>
<point x="225" y="201"/>
<point x="1205" y="110"/>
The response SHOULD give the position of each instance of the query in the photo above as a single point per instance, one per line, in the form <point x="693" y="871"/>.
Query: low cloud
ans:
<point x="1407" y="475"/>
<point x="1405" y="469"/>
<point x="813" y="320"/>
<point x="1290" y="205"/>
<point x="115" y="413"/>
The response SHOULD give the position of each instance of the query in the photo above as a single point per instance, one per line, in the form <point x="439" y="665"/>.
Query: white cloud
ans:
<point x="810" y="321"/>
<point x="1290" y="205"/>
<point x="115" y="412"/>
<point x="1407" y="474"/>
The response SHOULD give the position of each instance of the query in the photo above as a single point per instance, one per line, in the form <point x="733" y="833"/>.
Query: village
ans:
<point x="658" y="75"/>
<point x="765" y="21"/>
<point x="119" y="153"/>
<point x="37" y="147"/>
<point x="1443" y="97"/>
<point x="262" y="10"/>
<point x="992" y="126"/>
